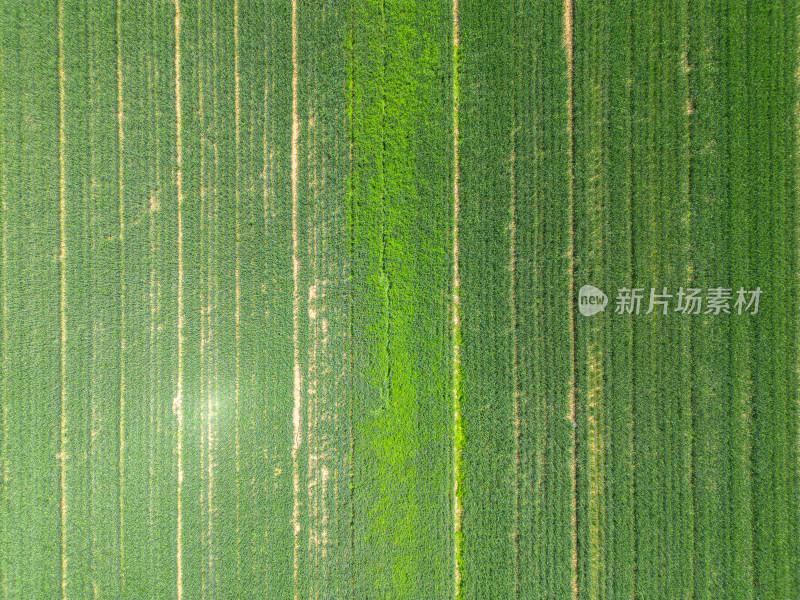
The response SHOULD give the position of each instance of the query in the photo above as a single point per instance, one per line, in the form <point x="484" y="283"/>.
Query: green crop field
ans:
<point x="293" y="304"/>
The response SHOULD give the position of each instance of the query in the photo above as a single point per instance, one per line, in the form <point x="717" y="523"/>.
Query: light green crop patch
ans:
<point x="394" y="88"/>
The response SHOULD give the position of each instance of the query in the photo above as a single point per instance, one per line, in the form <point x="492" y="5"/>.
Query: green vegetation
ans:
<point x="230" y="235"/>
<point x="401" y="215"/>
<point x="488" y="469"/>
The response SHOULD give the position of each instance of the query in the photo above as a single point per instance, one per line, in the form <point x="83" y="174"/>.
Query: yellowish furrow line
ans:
<point x="797" y="225"/>
<point x="514" y="338"/>
<point x="568" y="44"/>
<point x="266" y="176"/>
<point x="178" y="402"/>
<point x="205" y="276"/>
<point x="96" y="414"/>
<point x="154" y="293"/>
<point x="595" y="468"/>
<point x="4" y="458"/>
<point x="268" y="173"/>
<point x="237" y="283"/>
<point x="313" y="385"/>
<point x="595" y="421"/>
<point x="62" y="201"/>
<point x="317" y="362"/>
<point x="4" y="356"/>
<point x="316" y="456"/>
<point x="329" y="407"/>
<point x="122" y="334"/>
<point x="351" y="208"/>
<point x="515" y="372"/>
<point x="296" y="413"/>
<point x="457" y="424"/>
<point x="324" y="476"/>
<point x="214" y="282"/>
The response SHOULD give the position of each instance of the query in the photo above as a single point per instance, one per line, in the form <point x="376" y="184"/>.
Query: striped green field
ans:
<point x="290" y="300"/>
